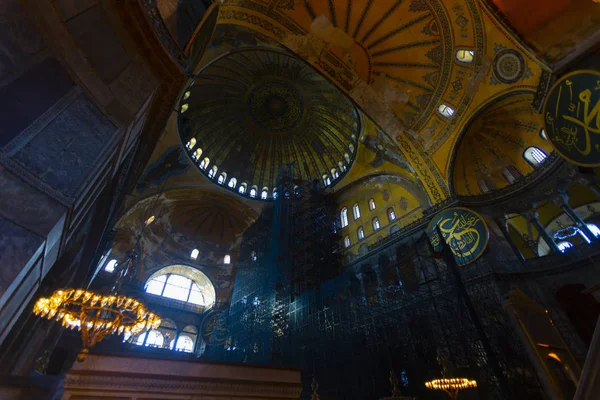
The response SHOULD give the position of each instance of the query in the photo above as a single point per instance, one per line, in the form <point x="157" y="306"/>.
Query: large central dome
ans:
<point x="253" y="111"/>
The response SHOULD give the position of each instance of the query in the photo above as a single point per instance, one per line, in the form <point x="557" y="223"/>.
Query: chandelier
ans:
<point x="451" y="385"/>
<point x="96" y="315"/>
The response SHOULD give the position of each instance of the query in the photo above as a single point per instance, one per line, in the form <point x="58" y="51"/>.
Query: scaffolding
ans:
<point x="294" y="304"/>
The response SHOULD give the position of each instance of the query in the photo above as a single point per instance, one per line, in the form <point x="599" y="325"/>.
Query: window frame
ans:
<point x="534" y="162"/>
<point x="356" y="211"/>
<point x="344" y="222"/>
<point x="374" y="221"/>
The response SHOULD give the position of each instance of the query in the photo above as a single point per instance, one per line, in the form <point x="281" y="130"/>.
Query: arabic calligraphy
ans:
<point x="214" y="330"/>
<point x="572" y="117"/>
<point x="464" y="231"/>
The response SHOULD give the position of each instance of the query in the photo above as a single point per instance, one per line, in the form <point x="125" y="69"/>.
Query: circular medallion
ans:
<point x="214" y="329"/>
<point x="464" y="230"/>
<point x="572" y="117"/>
<point x="509" y="66"/>
<point x="275" y="106"/>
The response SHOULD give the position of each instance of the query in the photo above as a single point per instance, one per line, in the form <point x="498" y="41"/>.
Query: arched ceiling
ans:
<point x="185" y="219"/>
<point x="253" y="111"/>
<point x="397" y="60"/>
<point x="496" y="140"/>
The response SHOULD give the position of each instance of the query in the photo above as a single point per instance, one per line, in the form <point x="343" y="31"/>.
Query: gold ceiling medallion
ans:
<point x="572" y="117"/>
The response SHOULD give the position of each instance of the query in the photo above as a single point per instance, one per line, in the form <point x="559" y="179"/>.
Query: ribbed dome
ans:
<point x="253" y="111"/>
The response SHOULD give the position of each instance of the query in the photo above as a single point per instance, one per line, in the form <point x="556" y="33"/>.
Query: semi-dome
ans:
<point x="254" y="111"/>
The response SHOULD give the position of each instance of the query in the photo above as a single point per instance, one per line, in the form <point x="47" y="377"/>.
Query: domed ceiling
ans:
<point x="493" y="146"/>
<point x="253" y="111"/>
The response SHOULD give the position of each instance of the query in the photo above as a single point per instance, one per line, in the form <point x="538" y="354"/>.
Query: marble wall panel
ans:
<point x="26" y="206"/>
<point x="133" y="86"/>
<point x="26" y="98"/>
<point x="20" y="42"/>
<point x="99" y="44"/>
<point x="17" y="247"/>
<point x="66" y="150"/>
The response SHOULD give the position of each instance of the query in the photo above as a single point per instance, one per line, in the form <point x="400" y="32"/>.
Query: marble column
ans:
<point x="563" y="203"/>
<point x="533" y="217"/>
<point x="504" y="228"/>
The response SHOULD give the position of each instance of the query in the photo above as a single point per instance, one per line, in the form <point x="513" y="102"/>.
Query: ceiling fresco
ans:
<point x="254" y="111"/>
<point x="493" y="145"/>
<point x="398" y="62"/>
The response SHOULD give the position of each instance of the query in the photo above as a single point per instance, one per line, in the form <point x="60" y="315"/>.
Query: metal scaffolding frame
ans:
<point x="293" y="304"/>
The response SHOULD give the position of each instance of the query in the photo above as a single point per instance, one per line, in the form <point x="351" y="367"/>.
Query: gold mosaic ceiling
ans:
<point x="254" y="111"/>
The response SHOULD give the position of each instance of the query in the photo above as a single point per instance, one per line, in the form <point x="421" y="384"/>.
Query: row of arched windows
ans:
<point x="360" y="233"/>
<point x="243" y="188"/>
<point x="195" y="253"/>
<point x="166" y="337"/>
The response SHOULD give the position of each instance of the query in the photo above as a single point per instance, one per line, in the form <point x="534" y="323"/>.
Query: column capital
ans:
<point x="533" y="215"/>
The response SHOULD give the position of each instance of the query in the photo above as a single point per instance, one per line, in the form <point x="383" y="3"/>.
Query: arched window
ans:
<point x="194" y="254"/>
<point x="112" y="264"/>
<point x="187" y="95"/>
<point x="361" y="233"/>
<point x="192" y="142"/>
<point x="182" y="283"/>
<point x="197" y="154"/>
<point x="151" y="338"/>
<point x="334" y="173"/>
<point x="564" y="246"/>
<point x="543" y="134"/>
<point x="465" y="56"/>
<point x="227" y="259"/>
<point x="253" y="191"/>
<point x="445" y="110"/>
<point x="187" y="339"/>
<point x="356" y="211"/>
<point x="222" y="178"/>
<point x="185" y="344"/>
<point x="391" y="214"/>
<point x="204" y="163"/>
<point x="351" y="148"/>
<point x="326" y="180"/>
<point x="342" y="166"/>
<point x="274" y="193"/>
<point x="347" y="158"/>
<point x="594" y="229"/>
<point x="242" y="188"/>
<point x="511" y="173"/>
<point x="184" y="108"/>
<point x="213" y="171"/>
<point x="534" y="156"/>
<point x="483" y="186"/>
<point x="376" y="225"/>
<point x="372" y="204"/>
<point x="232" y="183"/>
<point x="344" y="217"/>
<point x="347" y="241"/>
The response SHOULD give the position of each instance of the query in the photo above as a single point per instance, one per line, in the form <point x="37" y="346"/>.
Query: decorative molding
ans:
<point x="161" y="31"/>
<point x="74" y="383"/>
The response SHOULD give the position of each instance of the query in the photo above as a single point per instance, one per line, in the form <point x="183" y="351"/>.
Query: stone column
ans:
<point x="504" y="228"/>
<point x="563" y="203"/>
<point x="533" y="217"/>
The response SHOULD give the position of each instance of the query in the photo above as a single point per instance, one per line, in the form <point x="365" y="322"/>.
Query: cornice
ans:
<point x="168" y="384"/>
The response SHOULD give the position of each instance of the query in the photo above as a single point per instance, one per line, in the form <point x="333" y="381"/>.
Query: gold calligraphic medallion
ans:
<point x="214" y="329"/>
<point x="464" y="230"/>
<point x="572" y="117"/>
